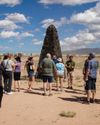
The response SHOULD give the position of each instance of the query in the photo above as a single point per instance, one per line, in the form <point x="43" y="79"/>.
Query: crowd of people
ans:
<point x="53" y="69"/>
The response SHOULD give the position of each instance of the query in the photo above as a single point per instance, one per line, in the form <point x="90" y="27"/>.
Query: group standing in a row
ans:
<point x="53" y="69"/>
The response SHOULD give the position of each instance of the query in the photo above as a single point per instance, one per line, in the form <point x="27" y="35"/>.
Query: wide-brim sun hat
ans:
<point x="60" y="59"/>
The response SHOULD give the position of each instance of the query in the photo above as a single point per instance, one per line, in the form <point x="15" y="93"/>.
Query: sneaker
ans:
<point x="68" y="87"/>
<point x="93" y="101"/>
<point x="5" y="92"/>
<point x="9" y="93"/>
<point x="71" y="87"/>
<point x="44" y="94"/>
<point x="88" y="102"/>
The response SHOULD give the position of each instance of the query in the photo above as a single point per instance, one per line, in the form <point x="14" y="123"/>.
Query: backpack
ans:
<point x="4" y="66"/>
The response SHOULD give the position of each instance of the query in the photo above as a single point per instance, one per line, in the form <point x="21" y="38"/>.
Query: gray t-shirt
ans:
<point x="8" y="64"/>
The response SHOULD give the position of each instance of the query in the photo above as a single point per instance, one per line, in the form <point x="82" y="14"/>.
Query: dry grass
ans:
<point x="68" y="114"/>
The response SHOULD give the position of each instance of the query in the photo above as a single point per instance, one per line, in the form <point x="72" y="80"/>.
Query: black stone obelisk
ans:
<point x="51" y="44"/>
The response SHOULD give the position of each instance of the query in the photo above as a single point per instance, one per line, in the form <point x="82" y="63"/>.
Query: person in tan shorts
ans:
<point x="70" y="65"/>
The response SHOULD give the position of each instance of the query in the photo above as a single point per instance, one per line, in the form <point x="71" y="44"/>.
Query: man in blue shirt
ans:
<point x="91" y="77"/>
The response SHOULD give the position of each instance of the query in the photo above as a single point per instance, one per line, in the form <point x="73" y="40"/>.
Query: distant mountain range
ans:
<point x="83" y="51"/>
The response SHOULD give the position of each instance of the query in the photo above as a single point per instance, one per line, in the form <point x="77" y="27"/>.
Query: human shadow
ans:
<point x="74" y="91"/>
<point x="82" y="99"/>
<point x="97" y="101"/>
<point x="77" y="99"/>
<point x="33" y="92"/>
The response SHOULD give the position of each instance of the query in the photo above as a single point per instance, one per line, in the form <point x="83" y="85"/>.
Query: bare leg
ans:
<point x="14" y="85"/>
<point x="71" y="80"/>
<point x="44" y="87"/>
<point x="68" y="75"/>
<point x="30" y="83"/>
<point x="93" y="96"/>
<point x="50" y="88"/>
<point x="88" y="95"/>
<point x="57" y="83"/>
<point x="61" y="83"/>
<point x="18" y="86"/>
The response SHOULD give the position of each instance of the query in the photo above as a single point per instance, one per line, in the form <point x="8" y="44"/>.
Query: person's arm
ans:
<point x="66" y="65"/>
<point x="13" y="64"/>
<point x="88" y="70"/>
<point x="54" y="69"/>
<point x="33" y="67"/>
<point x="73" y="66"/>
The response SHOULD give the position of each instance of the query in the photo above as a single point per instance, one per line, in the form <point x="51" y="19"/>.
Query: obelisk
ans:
<point x="51" y="44"/>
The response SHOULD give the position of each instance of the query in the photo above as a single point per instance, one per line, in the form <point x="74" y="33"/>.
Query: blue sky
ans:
<point x="23" y="24"/>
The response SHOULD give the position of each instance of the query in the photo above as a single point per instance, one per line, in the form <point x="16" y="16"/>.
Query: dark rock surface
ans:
<point x="51" y="44"/>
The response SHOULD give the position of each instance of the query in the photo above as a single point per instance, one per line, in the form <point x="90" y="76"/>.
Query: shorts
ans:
<point x="31" y="74"/>
<point x="17" y="76"/>
<point x="48" y="79"/>
<point x="61" y="75"/>
<point x="91" y="84"/>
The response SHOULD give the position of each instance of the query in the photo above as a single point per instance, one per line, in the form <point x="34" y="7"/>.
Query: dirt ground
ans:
<point x="33" y="108"/>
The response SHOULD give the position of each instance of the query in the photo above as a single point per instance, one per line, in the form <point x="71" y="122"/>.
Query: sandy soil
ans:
<point x="35" y="109"/>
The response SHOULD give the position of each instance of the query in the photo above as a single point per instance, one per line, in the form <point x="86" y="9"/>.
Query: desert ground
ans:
<point x="22" y="108"/>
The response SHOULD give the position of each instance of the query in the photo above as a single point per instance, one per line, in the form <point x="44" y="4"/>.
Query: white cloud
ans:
<point x="11" y="20"/>
<point x="37" y="30"/>
<point x="8" y="34"/>
<point x="80" y="40"/>
<point x="66" y="2"/>
<point x="17" y="17"/>
<point x="26" y="34"/>
<point x="91" y="35"/>
<point x="11" y="3"/>
<point x="58" y="23"/>
<point x="88" y="17"/>
<point x="8" y="25"/>
<point x="17" y="35"/>
<point x="37" y="42"/>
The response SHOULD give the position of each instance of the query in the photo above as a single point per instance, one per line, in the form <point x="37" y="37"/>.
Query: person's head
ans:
<point x="60" y="60"/>
<point x="10" y="55"/>
<point x="5" y="56"/>
<point x="91" y="55"/>
<point x="54" y="57"/>
<point x="48" y="55"/>
<point x="70" y="57"/>
<point x="18" y="59"/>
<point x="30" y="58"/>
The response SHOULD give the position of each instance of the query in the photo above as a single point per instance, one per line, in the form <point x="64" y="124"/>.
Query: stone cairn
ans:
<point x="51" y="45"/>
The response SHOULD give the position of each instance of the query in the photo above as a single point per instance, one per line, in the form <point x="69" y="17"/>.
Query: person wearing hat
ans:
<point x="70" y="65"/>
<point x="60" y="74"/>
<point x="91" y="77"/>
